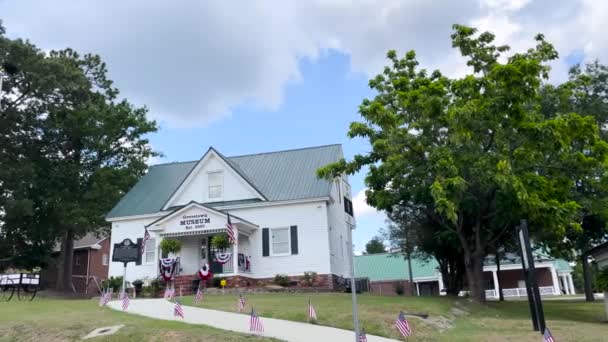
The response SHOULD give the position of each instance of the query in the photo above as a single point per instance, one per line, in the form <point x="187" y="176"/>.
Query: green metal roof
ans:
<point x="392" y="266"/>
<point x="279" y="176"/>
<point x="562" y="265"/>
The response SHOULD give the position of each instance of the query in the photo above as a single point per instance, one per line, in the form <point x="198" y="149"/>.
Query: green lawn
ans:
<point x="450" y="319"/>
<point x="68" y="320"/>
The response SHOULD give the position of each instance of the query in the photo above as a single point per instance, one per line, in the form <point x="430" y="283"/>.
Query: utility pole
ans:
<point x="353" y="285"/>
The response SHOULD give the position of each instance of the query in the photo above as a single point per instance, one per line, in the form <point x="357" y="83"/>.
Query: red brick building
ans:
<point x="89" y="264"/>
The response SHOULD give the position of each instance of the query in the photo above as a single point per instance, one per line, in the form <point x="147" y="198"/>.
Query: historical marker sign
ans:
<point x="126" y="251"/>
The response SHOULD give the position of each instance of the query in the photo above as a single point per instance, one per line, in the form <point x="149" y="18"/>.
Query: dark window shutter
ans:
<point x="265" y="242"/>
<point x="139" y="242"/>
<point x="294" y="240"/>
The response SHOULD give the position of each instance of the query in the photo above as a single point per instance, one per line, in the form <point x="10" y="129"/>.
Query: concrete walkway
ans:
<point x="277" y="328"/>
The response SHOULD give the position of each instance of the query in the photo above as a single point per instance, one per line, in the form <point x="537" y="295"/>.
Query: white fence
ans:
<point x="519" y="292"/>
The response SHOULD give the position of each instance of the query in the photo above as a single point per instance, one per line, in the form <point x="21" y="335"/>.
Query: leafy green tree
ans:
<point x="76" y="148"/>
<point x="375" y="246"/>
<point x="585" y="92"/>
<point x="473" y="152"/>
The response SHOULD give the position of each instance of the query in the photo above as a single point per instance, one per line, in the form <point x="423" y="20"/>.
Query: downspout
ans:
<point x="86" y="282"/>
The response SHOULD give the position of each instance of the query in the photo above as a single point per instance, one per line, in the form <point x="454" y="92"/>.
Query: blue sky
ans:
<point x="316" y="110"/>
<point x="257" y="76"/>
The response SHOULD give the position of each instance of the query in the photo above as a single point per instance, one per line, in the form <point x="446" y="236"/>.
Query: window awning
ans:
<point x="194" y="232"/>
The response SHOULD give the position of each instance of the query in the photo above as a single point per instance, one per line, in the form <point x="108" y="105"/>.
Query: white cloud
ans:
<point x="194" y="61"/>
<point x="361" y="208"/>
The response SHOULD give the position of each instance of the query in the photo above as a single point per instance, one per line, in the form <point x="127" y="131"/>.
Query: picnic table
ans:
<point x="25" y="284"/>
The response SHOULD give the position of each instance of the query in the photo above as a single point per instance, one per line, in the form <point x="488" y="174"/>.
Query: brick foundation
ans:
<point x="327" y="282"/>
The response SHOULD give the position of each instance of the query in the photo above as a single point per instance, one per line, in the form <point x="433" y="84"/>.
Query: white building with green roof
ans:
<point x="287" y="220"/>
<point x="386" y="272"/>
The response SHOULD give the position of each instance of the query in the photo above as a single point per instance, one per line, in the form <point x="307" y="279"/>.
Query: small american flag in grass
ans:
<point x="362" y="336"/>
<point x="255" y="324"/>
<point x="402" y="325"/>
<point x="547" y="337"/>
<point x="199" y="296"/>
<point x="241" y="303"/>
<point x="125" y="301"/>
<point x="178" y="310"/>
<point x="312" y="314"/>
<point x="106" y="296"/>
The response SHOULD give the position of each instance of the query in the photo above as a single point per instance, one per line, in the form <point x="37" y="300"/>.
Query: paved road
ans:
<point x="277" y="328"/>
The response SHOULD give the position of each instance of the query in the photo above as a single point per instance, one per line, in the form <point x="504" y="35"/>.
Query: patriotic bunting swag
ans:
<point x="223" y="258"/>
<point x="205" y="273"/>
<point x="167" y="268"/>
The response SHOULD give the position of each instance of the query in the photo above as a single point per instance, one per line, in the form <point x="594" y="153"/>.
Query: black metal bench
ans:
<point x="25" y="284"/>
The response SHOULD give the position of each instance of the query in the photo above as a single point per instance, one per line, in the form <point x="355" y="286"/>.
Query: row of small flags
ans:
<point x="255" y="323"/>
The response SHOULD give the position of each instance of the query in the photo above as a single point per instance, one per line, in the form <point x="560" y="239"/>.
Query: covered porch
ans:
<point x="196" y="226"/>
<point x="512" y="281"/>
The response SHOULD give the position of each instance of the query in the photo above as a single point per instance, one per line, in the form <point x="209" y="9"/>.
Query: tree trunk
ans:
<point x="409" y="266"/>
<point x="474" y="270"/>
<point x="587" y="279"/>
<point x="501" y="297"/>
<point x="64" y="274"/>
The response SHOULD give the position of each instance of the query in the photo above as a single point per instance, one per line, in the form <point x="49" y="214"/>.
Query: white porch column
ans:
<point x="570" y="283"/>
<point x="495" y="278"/>
<point x="563" y="285"/>
<point x="235" y="251"/>
<point x="555" y="280"/>
<point x="440" y="281"/>
<point x="157" y="254"/>
<point x="418" y="289"/>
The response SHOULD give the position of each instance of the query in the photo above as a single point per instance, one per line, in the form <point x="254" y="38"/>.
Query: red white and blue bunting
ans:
<point x="223" y="258"/>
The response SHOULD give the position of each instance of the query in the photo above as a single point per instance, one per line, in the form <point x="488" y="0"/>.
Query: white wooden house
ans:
<point x="288" y="220"/>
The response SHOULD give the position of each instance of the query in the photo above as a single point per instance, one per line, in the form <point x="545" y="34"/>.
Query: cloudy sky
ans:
<point x="254" y="76"/>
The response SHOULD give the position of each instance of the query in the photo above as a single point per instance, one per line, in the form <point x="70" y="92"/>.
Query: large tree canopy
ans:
<point x="475" y="152"/>
<point x="70" y="149"/>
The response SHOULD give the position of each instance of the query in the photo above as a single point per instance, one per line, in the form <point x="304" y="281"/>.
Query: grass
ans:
<point x="450" y="319"/>
<point x="69" y="320"/>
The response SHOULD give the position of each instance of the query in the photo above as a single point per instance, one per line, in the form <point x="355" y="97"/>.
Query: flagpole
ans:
<point x="353" y="287"/>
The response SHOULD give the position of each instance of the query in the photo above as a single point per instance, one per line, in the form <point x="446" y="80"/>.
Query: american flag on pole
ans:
<point x="255" y="324"/>
<point x="312" y="314"/>
<point x="230" y="231"/>
<point x="241" y="303"/>
<point x="199" y="296"/>
<point x="362" y="336"/>
<point x="547" y="337"/>
<point x="143" y="242"/>
<point x="178" y="310"/>
<point x="402" y="325"/>
<point x="125" y="301"/>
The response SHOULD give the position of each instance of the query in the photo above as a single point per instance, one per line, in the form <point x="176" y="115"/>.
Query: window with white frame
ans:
<point x="150" y="251"/>
<point x="280" y="241"/>
<point x="216" y="184"/>
<point x="104" y="259"/>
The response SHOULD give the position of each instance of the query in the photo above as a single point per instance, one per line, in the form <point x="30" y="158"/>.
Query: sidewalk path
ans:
<point x="277" y="328"/>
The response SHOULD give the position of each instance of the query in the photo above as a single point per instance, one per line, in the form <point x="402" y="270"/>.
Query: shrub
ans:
<point x="170" y="246"/>
<point x="399" y="289"/>
<point x="310" y="278"/>
<point x="114" y="282"/>
<point x="217" y="282"/>
<point x="281" y="280"/>
<point x="220" y="241"/>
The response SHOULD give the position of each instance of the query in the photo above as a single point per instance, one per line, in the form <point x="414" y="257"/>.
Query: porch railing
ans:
<point x="519" y="292"/>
